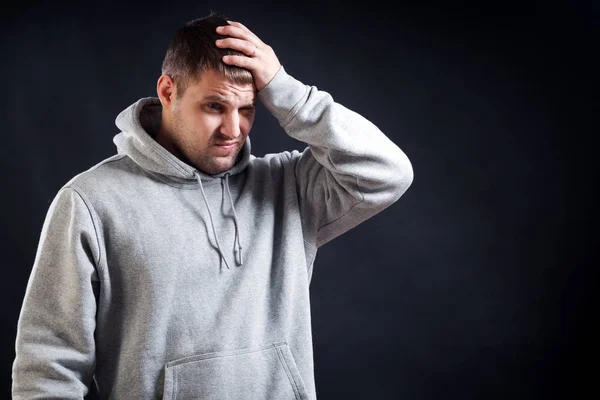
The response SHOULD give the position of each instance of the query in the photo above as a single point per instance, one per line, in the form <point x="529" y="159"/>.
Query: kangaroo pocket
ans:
<point x="265" y="373"/>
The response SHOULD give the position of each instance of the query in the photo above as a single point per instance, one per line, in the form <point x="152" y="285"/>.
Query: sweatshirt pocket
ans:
<point x="265" y="373"/>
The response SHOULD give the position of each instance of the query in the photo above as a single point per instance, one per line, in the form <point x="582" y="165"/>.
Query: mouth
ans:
<point x="225" y="147"/>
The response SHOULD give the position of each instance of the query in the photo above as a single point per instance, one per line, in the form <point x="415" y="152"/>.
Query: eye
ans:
<point x="214" y="106"/>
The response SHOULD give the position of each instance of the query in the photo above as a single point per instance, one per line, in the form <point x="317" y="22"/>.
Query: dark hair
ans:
<point x="193" y="51"/>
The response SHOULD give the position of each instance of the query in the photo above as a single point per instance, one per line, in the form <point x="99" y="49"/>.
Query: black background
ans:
<point x="474" y="284"/>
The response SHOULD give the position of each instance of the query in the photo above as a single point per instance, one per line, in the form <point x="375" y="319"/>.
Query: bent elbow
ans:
<point x="405" y="176"/>
<point x="392" y="182"/>
<point x="401" y="176"/>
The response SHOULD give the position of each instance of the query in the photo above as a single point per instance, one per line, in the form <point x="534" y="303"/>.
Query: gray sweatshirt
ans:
<point x="155" y="280"/>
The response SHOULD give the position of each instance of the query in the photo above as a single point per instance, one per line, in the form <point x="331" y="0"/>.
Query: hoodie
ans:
<point x="155" y="280"/>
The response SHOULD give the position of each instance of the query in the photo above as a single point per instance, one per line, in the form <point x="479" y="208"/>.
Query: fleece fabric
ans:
<point x="155" y="280"/>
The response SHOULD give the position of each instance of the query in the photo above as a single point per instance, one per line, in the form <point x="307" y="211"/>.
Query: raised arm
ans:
<point x="350" y="170"/>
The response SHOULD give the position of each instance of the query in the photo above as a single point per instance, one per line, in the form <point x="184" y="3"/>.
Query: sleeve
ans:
<point x="350" y="170"/>
<point x="55" y="349"/>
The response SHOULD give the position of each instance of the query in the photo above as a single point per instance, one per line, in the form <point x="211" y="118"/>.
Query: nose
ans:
<point x="230" y="125"/>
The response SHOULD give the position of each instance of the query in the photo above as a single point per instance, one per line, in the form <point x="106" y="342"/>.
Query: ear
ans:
<point x="166" y="90"/>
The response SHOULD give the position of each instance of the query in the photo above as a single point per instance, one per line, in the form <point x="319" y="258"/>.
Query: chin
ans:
<point x="220" y="167"/>
<point x="217" y="165"/>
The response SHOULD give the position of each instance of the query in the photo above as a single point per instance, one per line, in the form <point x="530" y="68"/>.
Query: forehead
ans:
<point x="213" y="85"/>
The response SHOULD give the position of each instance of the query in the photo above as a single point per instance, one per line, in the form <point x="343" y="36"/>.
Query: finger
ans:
<point x="243" y="27"/>
<point x="238" y="24"/>
<point x="240" y="61"/>
<point x="240" y="33"/>
<point x="244" y="46"/>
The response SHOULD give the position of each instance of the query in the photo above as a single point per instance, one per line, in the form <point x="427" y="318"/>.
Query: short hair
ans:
<point x="192" y="51"/>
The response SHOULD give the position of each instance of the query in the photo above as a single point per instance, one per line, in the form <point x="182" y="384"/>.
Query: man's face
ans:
<point x="210" y="123"/>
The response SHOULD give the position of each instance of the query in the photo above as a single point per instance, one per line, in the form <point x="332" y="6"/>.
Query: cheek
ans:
<point x="246" y="123"/>
<point x="205" y="125"/>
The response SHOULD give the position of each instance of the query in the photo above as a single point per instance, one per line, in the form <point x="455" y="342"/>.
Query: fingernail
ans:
<point x="219" y="28"/>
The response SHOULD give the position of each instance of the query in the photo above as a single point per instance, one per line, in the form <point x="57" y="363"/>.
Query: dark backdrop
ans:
<point x="472" y="285"/>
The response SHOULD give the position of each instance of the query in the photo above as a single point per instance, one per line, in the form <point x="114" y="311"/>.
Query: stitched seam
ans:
<point x="107" y="161"/>
<point x="184" y="186"/>
<point x="89" y="207"/>
<point x="179" y="185"/>
<point x="337" y="219"/>
<point x="288" y="373"/>
<point x="295" y="108"/>
<point x="312" y="247"/>
<point x="163" y="178"/>
<point x="210" y="356"/>
<point x="309" y="266"/>
<point x="362" y="199"/>
<point x="174" y="382"/>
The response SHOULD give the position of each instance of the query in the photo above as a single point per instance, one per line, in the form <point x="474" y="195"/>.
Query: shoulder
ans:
<point x="110" y="172"/>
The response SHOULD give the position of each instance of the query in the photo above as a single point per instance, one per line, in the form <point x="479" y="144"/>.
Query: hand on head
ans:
<point x="259" y="57"/>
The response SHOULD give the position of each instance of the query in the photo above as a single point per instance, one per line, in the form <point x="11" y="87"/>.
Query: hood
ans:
<point x="138" y="124"/>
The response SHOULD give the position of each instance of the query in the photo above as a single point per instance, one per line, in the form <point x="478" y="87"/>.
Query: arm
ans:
<point x="350" y="170"/>
<point x="55" y="350"/>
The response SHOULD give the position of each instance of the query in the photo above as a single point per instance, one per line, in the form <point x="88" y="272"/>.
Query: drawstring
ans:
<point x="238" y="251"/>
<point x="211" y="221"/>
<point x="238" y="254"/>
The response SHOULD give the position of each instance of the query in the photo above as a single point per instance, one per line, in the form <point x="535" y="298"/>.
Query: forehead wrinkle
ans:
<point x="214" y="87"/>
<point x="224" y="99"/>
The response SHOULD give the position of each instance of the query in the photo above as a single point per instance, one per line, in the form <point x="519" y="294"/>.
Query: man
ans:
<point x="180" y="267"/>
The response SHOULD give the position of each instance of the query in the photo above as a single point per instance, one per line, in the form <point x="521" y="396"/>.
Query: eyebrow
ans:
<point x="222" y="99"/>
